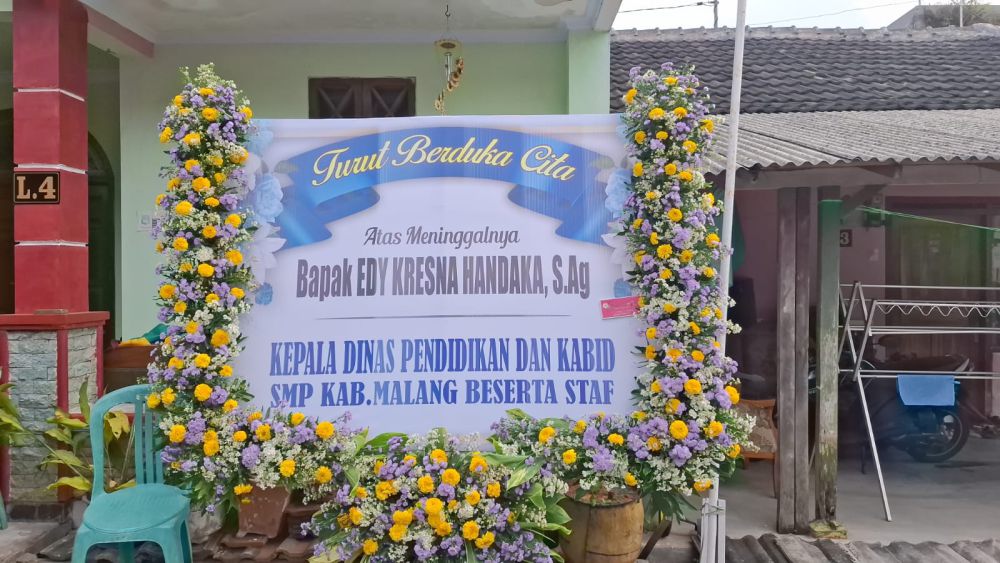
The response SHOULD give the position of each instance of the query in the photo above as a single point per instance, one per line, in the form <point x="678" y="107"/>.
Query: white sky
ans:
<point x="871" y="14"/>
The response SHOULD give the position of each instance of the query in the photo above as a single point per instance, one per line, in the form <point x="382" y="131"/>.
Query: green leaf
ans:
<point x="518" y="414"/>
<point x="536" y="496"/>
<point x="522" y="475"/>
<point x="71" y="423"/>
<point x="470" y="553"/>
<point x="64" y="457"/>
<point x="78" y="483"/>
<point x="85" y="401"/>
<point x="556" y="514"/>
<point x="117" y="423"/>
<point x="353" y="475"/>
<point x="547" y="527"/>
<point x="502" y="459"/>
<point x="60" y="435"/>
<point x="380" y="442"/>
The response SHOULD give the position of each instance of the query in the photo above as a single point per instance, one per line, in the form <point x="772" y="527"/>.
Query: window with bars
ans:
<point x="361" y="97"/>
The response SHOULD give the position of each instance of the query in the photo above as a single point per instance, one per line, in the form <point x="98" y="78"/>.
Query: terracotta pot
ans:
<point x="297" y="515"/>
<point x="605" y="529"/>
<point x="264" y="514"/>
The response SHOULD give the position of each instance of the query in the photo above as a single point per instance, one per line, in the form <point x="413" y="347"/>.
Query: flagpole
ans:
<point x="713" y="548"/>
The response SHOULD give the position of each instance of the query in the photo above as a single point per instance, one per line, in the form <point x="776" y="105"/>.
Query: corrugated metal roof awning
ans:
<point x="801" y="140"/>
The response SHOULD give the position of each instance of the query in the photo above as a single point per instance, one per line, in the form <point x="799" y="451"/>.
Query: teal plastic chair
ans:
<point x="148" y="512"/>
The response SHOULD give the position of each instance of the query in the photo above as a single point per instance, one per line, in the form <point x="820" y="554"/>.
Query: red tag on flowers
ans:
<point x="619" y="307"/>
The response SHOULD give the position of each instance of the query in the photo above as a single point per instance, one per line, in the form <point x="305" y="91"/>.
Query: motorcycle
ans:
<point x="929" y="434"/>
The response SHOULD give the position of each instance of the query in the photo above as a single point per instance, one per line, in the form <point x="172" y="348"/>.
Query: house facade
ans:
<point x="86" y="83"/>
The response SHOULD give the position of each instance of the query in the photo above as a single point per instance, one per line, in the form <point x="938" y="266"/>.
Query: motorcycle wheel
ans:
<point x="953" y="433"/>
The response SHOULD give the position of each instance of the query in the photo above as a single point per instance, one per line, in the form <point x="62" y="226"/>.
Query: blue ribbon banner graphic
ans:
<point x="551" y="177"/>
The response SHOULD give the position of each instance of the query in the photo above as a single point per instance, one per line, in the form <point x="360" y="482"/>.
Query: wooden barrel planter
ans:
<point x="606" y="528"/>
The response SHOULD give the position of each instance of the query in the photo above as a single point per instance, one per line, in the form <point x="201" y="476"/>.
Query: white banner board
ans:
<point x="438" y="271"/>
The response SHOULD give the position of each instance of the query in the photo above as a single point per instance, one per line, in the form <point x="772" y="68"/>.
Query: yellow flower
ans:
<point x="209" y="231"/>
<point x="402" y="517"/>
<point x="215" y="160"/>
<point x="651" y="332"/>
<point x="690" y="146"/>
<point x="426" y="484"/>
<point x="234" y="256"/>
<point x="698" y="356"/>
<point x="410" y="460"/>
<point x="153" y="400"/>
<point x="361" y="492"/>
<point x="229" y="406"/>
<point x="470" y="530"/>
<point x="629" y="96"/>
<point x="686" y="256"/>
<point x="168" y="396"/>
<point x="177" y="433"/>
<point x="650" y="353"/>
<point x="685" y="176"/>
<point x="666" y="274"/>
<point x="433" y="506"/>
<point x="669" y="308"/>
<point x="639" y="255"/>
<point x="220" y="338"/>
<point x="201" y="184"/>
<point x="651" y="195"/>
<point x="202" y="361"/>
<point x="569" y="457"/>
<point x="714" y="428"/>
<point x="451" y="477"/>
<point x="702" y="485"/>
<point x="210" y="448"/>
<point x="637" y="169"/>
<point x="175" y="363"/>
<point x="167" y="291"/>
<point x="219" y="178"/>
<point x="370" y="546"/>
<point x="239" y="436"/>
<point x="670" y="80"/>
<point x="708" y="272"/>
<point x="692" y="387"/>
<point x="443" y="529"/>
<point x="211" y="298"/>
<point x="680" y="112"/>
<point x="186" y="267"/>
<point x="654" y="238"/>
<point x="695" y="328"/>
<point x="202" y="392"/>
<point x="616" y="439"/>
<point x="247" y="112"/>
<point x="255" y="415"/>
<point x="678" y="429"/>
<point x="226" y="371"/>
<point x="493" y="490"/>
<point x="239" y="157"/>
<point x="183" y="208"/>
<point x="712" y="240"/>
<point x="656" y="113"/>
<point x="324" y="430"/>
<point x="166" y="134"/>
<point x="485" y="541"/>
<point x="546" y="434"/>
<point x="675" y="214"/>
<point x="296" y="418"/>
<point x="662" y="135"/>
<point x="210" y="114"/>
<point x="473" y="498"/>
<point x="323" y="474"/>
<point x="664" y="251"/>
<point x="439" y="456"/>
<point x="630" y="480"/>
<point x="384" y="490"/>
<point x="206" y="270"/>
<point x="708" y="125"/>
<point x="580" y="426"/>
<point x="178" y="100"/>
<point x="639" y="415"/>
<point x="191" y="327"/>
<point x="478" y="464"/>
<point x="709" y="200"/>
<point x="355" y="515"/>
<point x="191" y="139"/>
<point x="234" y="220"/>
<point x="639" y="136"/>
<point x="184" y="111"/>
<point x="159" y="247"/>
<point x="205" y="92"/>
<point x="653" y="444"/>
<point x="263" y="432"/>
<point x="655" y="386"/>
<point x="180" y="307"/>
<point x="189" y="164"/>
<point x="734" y="452"/>
<point x="734" y="395"/>
<point x="237" y="292"/>
<point x="396" y="533"/>
<point x="672" y="406"/>
<point x="211" y="202"/>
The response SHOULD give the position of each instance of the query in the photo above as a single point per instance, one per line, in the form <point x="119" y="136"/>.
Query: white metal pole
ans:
<point x="710" y="543"/>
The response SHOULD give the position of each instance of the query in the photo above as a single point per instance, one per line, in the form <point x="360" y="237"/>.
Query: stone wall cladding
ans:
<point x="33" y="361"/>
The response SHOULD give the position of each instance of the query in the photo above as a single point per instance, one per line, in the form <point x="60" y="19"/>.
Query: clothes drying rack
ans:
<point x="868" y="316"/>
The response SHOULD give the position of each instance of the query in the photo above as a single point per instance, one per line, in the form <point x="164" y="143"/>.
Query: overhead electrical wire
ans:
<point x="712" y="2"/>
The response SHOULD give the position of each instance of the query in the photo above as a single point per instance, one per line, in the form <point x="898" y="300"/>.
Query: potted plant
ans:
<point x="11" y="433"/>
<point x="68" y="444"/>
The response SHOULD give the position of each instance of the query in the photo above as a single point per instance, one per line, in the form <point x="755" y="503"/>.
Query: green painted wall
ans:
<point x="588" y="71"/>
<point x="499" y="79"/>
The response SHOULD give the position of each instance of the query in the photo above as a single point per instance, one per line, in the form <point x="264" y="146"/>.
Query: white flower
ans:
<point x="260" y="251"/>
